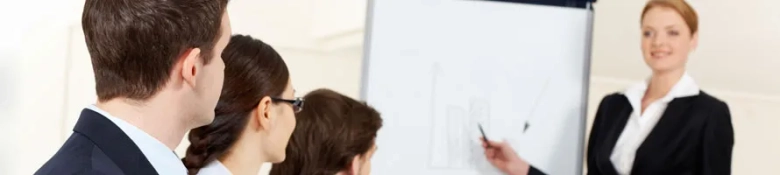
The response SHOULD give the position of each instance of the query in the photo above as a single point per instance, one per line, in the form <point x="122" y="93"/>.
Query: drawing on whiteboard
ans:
<point x="458" y="102"/>
<point x="536" y="104"/>
<point x="457" y="148"/>
<point x="454" y="126"/>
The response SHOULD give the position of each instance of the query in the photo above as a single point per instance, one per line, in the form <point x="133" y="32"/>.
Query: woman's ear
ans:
<point x="264" y="114"/>
<point x="694" y="41"/>
<point x="354" y="167"/>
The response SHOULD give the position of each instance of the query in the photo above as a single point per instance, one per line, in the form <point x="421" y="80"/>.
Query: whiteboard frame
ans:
<point x="366" y="49"/>
<point x="586" y="89"/>
<point x="586" y="72"/>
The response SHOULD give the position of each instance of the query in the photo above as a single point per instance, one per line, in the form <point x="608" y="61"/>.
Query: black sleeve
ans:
<point x="594" y="137"/>
<point x="534" y="171"/>
<point x="718" y="141"/>
<point x="595" y="129"/>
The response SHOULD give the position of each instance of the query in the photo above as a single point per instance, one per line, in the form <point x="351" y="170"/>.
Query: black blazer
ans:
<point x="693" y="136"/>
<point x="534" y="171"/>
<point x="97" y="146"/>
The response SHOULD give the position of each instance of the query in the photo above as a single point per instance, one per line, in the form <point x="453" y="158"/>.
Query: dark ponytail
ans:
<point x="253" y="70"/>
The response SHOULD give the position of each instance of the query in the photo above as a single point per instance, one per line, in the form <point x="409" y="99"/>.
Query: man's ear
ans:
<point x="263" y="115"/>
<point x="191" y="65"/>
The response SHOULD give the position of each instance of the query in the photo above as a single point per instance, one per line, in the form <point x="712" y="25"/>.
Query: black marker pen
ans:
<point x="484" y="138"/>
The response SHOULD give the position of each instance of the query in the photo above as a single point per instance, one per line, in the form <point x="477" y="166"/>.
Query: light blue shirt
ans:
<point x="214" y="168"/>
<point x="162" y="158"/>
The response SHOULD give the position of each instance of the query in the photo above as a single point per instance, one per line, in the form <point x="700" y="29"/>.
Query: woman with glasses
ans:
<point x="255" y="115"/>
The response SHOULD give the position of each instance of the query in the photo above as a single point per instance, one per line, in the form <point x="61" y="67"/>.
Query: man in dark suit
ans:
<point x="158" y="74"/>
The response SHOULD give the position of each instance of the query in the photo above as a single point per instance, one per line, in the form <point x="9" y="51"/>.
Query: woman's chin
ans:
<point x="660" y="69"/>
<point x="278" y="159"/>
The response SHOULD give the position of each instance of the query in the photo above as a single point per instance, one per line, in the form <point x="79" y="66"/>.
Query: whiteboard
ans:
<point x="436" y="68"/>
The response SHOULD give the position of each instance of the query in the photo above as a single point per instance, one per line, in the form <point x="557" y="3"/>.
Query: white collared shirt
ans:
<point x="640" y="123"/>
<point x="214" y="168"/>
<point x="162" y="158"/>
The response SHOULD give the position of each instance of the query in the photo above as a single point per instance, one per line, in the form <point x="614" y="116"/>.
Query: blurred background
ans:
<point x="46" y="76"/>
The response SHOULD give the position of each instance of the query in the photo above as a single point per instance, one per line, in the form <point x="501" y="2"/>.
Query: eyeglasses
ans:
<point x="297" y="103"/>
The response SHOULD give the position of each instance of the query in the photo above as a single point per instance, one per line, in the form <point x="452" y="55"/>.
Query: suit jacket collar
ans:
<point x="685" y="87"/>
<point x="677" y="108"/>
<point x="113" y="142"/>
<point x="623" y="110"/>
<point x="671" y="118"/>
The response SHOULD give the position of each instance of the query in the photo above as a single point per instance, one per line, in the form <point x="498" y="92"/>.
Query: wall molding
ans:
<point x="334" y="42"/>
<point x="719" y="92"/>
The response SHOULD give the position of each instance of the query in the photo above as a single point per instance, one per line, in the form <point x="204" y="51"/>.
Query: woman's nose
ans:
<point x="658" y="40"/>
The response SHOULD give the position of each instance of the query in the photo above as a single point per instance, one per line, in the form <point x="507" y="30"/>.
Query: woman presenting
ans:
<point x="665" y="125"/>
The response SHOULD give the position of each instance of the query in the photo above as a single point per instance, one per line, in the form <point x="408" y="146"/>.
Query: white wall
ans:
<point x="45" y="77"/>
<point x="35" y="40"/>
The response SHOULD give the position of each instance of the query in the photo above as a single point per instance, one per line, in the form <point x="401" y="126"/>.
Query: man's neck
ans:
<point x="158" y="119"/>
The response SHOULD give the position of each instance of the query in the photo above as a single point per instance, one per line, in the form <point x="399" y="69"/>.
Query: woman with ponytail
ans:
<point x="255" y="115"/>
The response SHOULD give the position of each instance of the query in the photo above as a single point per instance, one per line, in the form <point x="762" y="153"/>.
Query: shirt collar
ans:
<point x="685" y="87"/>
<point x="162" y="158"/>
<point x="214" y="168"/>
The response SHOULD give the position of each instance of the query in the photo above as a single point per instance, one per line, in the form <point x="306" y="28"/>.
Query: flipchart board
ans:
<point x="436" y="69"/>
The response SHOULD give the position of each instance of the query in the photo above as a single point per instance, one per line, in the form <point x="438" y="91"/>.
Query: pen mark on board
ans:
<point x="454" y="124"/>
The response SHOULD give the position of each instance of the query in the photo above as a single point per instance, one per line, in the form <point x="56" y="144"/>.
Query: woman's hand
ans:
<point x="503" y="157"/>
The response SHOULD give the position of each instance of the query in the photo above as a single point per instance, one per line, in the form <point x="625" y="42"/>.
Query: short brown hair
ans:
<point x="135" y="43"/>
<point x="683" y="8"/>
<point x="331" y="130"/>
